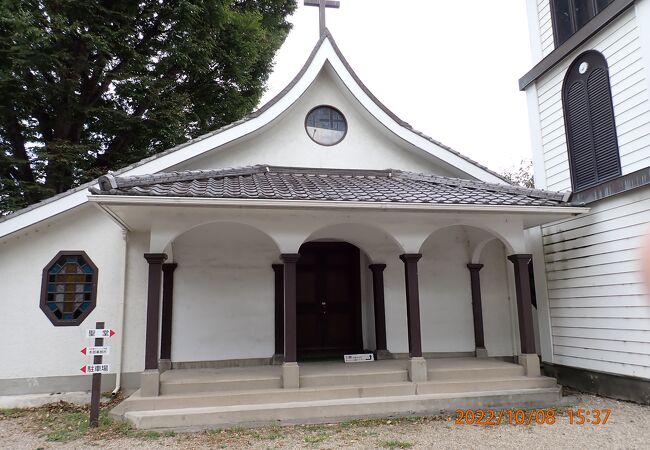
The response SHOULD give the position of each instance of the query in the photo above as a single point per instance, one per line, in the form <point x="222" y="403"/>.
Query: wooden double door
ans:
<point x="328" y="300"/>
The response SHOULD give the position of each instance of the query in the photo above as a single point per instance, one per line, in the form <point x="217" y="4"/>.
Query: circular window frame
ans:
<point x="93" y="295"/>
<point x="345" y="133"/>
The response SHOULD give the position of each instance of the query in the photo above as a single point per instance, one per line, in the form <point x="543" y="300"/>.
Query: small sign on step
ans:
<point x="362" y="357"/>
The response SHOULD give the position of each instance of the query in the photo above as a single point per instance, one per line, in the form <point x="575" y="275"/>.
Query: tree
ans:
<point x="88" y="86"/>
<point x="522" y="175"/>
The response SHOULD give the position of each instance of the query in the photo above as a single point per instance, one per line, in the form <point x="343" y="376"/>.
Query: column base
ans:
<point x="277" y="359"/>
<point x="481" y="353"/>
<point x="384" y="354"/>
<point x="530" y="363"/>
<point x="290" y="375"/>
<point x="150" y="383"/>
<point x="164" y="365"/>
<point x="417" y="370"/>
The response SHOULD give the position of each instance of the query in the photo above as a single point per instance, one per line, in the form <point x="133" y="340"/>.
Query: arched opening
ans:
<point x="328" y="300"/>
<point x="223" y="307"/>
<point x="446" y="298"/>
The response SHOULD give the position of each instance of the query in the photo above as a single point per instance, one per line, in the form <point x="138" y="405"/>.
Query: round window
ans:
<point x="326" y="125"/>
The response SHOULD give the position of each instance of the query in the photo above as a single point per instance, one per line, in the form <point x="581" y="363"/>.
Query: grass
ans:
<point x="65" y="422"/>
<point x="318" y="438"/>
<point x="12" y="413"/>
<point x="396" y="444"/>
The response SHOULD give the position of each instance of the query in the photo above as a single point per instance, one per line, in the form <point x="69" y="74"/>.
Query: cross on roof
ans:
<point x="322" y="4"/>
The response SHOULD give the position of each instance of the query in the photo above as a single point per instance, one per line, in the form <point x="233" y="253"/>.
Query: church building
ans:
<point x="241" y="269"/>
<point x="589" y="106"/>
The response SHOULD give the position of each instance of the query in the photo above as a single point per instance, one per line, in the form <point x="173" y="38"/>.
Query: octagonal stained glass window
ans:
<point x="69" y="291"/>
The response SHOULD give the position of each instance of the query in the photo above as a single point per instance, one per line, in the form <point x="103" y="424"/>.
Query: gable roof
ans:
<point x="316" y="184"/>
<point x="324" y="51"/>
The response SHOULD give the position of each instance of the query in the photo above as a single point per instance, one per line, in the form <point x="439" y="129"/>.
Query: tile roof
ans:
<point x="290" y="183"/>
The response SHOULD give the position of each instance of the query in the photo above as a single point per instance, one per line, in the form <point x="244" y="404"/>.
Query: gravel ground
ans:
<point x="627" y="428"/>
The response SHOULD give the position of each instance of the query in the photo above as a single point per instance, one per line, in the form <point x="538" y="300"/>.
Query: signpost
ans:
<point x="91" y="351"/>
<point x="97" y="368"/>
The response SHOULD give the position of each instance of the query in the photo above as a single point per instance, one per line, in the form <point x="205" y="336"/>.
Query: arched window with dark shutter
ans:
<point x="590" y="124"/>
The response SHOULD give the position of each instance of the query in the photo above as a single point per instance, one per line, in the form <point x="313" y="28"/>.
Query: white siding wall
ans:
<point x="599" y="306"/>
<point x="621" y="46"/>
<point x="545" y="29"/>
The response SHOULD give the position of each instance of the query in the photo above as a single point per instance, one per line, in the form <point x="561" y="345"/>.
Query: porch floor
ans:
<point x="201" y="398"/>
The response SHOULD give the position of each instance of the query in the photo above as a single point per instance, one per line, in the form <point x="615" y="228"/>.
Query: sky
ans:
<point x="449" y="68"/>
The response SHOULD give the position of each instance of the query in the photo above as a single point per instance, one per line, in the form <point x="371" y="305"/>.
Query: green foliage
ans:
<point x="90" y="86"/>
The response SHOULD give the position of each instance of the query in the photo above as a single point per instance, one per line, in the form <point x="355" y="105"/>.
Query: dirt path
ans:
<point x="627" y="427"/>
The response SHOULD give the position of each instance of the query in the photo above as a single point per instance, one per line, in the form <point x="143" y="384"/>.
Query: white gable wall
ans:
<point x="366" y="145"/>
<point x="31" y="346"/>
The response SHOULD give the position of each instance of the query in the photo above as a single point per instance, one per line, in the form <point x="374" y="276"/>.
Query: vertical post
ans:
<point x="524" y="305"/>
<point x="321" y="16"/>
<point x="528" y="358"/>
<point x="155" y="261"/>
<point x="380" y="309"/>
<point x="417" y="364"/>
<point x="413" y="303"/>
<point x="167" y="313"/>
<point x="95" y="390"/>
<point x="278" y="270"/>
<point x="477" y="309"/>
<point x="290" y="373"/>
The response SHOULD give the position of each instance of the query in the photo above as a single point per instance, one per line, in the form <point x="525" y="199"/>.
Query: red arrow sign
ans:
<point x="83" y="369"/>
<point x="100" y="333"/>
<point x="83" y="350"/>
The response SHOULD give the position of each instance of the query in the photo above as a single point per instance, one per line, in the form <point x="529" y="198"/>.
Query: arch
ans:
<point x="170" y="238"/>
<point x="478" y="238"/>
<point x="371" y="239"/>
<point x="590" y="124"/>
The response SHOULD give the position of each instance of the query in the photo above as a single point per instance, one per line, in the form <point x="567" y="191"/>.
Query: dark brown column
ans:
<point x="155" y="261"/>
<point x="413" y="303"/>
<point x="380" y="310"/>
<point x="524" y="305"/>
<point x="290" y="341"/>
<point x="477" y="307"/>
<point x="278" y="269"/>
<point x="167" y="311"/>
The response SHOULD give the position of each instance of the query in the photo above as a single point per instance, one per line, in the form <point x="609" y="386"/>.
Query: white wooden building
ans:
<point x="321" y="225"/>
<point x="589" y="105"/>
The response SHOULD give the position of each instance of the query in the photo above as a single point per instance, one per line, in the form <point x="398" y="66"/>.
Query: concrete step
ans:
<point x="484" y="373"/>
<point x="231" y="398"/>
<point x="138" y="403"/>
<point x="179" y="386"/>
<point x="512" y="383"/>
<point x="354" y="379"/>
<point x="337" y="409"/>
<point x="195" y="386"/>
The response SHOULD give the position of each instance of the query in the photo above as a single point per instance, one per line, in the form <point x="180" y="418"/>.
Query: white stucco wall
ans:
<point x="223" y="294"/>
<point x="30" y="346"/>
<point x="286" y="143"/>
<point x="446" y="298"/>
